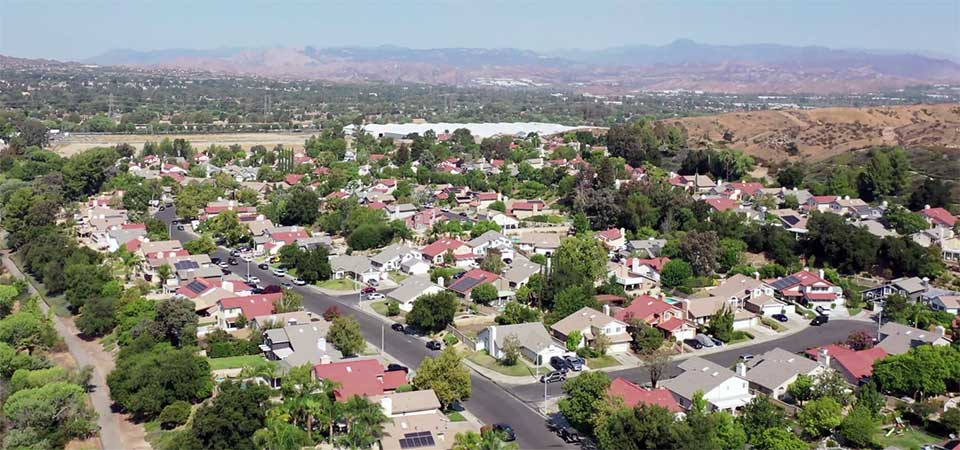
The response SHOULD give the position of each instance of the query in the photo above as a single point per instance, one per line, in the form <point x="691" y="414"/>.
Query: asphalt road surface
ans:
<point x="492" y="403"/>
<point x="489" y="402"/>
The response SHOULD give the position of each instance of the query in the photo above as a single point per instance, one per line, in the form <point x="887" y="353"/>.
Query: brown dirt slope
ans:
<point x="818" y="134"/>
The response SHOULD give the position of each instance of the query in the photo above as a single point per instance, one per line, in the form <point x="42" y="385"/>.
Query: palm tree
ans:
<point x="364" y="421"/>
<point x="279" y="434"/>
<point x="266" y="372"/>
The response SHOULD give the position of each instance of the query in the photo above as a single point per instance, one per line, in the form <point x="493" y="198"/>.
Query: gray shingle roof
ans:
<point x="775" y="367"/>
<point x="698" y="375"/>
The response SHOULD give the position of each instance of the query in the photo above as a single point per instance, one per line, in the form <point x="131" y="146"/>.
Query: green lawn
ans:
<point x="602" y="361"/>
<point x="455" y="416"/>
<point x="342" y="284"/>
<point x="912" y="438"/>
<point x="740" y="336"/>
<point x="520" y="369"/>
<point x="398" y="276"/>
<point x="237" y="362"/>
<point x="772" y="324"/>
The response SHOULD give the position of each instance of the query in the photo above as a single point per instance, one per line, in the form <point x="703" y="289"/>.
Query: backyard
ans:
<point x="910" y="439"/>
<point x="237" y="362"/>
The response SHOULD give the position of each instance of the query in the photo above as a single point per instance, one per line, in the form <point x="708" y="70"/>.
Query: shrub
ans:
<point x="331" y="313"/>
<point x="450" y="339"/>
<point x="393" y="308"/>
<point x="404" y="388"/>
<point x="174" y="415"/>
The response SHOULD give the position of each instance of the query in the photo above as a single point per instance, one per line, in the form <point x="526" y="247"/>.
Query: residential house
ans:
<point x="412" y="288"/>
<point x="296" y="344"/>
<point x="771" y="373"/>
<point x="362" y="377"/>
<point x="855" y="365"/>
<point x="946" y="303"/>
<point x="504" y="221"/>
<point x="471" y="279"/>
<point x="392" y="257"/>
<point x="638" y="274"/>
<point x="792" y="220"/>
<point x="354" y="267"/>
<point x="723" y="204"/>
<point x="536" y="345"/>
<point x="613" y="239"/>
<point x="435" y="251"/>
<point x="876" y="228"/>
<point x="656" y="312"/>
<point x="279" y="320"/>
<point x="911" y="287"/>
<point x="737" y="190"/>
<point x="939" y="217"/>
<point x="723" y="389"/>
<point x="483" y="200"/>
<point x="542" y="243"/>
<point x="591" y="324"/>
<point x="693" y="183"/>
<point x="633" y="395"/>
<point x="519" y="272"/>
<point x="820" y="203"/>
<point x="523" y="209"/>
<point x="229" y="310"/>
<point x="646" y="248"/>
<point x="205" y="293"/>
<point x="897" y="339"/>
<point x="846" y="206"/>
<point x="808" y="288"/>
<point x="400" y="211"/>
<point x="417" y="422"/>
<point x="492" y="240"/>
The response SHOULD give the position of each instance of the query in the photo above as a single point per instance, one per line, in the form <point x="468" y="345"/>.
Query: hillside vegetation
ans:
<point x="818" y="134"/>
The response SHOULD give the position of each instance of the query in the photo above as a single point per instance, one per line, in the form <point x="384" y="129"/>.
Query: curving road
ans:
<point x="490" y="402"/>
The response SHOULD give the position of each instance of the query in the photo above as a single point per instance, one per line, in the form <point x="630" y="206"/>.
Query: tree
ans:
<point x="801" y="389"/>
<point x="904" y="221"/>
<point x="702" y="250"/>
<point x="848" y="248"/>
<point x="571" y="300"/>
<point x="144" y="383"/>
<point x="574" y="340"/>
<point x="870" y="398"/>
<point x="346" y="336"/>
<point x="484" y="294"/>
<point x="791" y="176"/>
<point x="492" y="262"/>
<point x="760" y="415"/>
<point x="227" y="225"/>
<point x="859" y="427"/>
<point x="290" y="301"/>
<point x="300" y="207"/>
<point x="97" y="316"/>
<point x="819" y="417"/>
<point x="931" y="192"/>
<point x="393" y="308"/>
<point x="833" y="384"/>
<point x="175" y="414"/>
<point x="176" y="322"/>
<point x="484" y="440"/>
<point x="657" y="363"/>
<point x="514" y="313"/>
<point x="364" y="423"/>
<point x="950" y="419"/>
<point x="730" y="435"/>
<point x="779" y="439"/>
<point x="584" y="394"/>
<point x="52" y="414"/>
<point x="433" y="312"/>
<point x="204" y="245"/>
<point x="921" y="371"/>
<point x="232" y="418"/>
<point x="446" y="375"/>
<point x="645" y="337"/>
<point x="511" y="350"/>
<point x="676" y="273"/>
<point x="580" y="261"/>
<point x="721" y="324"/>
<point x="643" y="427"/>
<point x="859" y="340"/>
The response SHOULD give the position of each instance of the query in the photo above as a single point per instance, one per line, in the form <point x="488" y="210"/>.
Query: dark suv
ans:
<point x="558" y="363"/>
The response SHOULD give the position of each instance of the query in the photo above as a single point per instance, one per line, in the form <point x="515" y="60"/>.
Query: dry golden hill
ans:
<point x="818" y="134"/>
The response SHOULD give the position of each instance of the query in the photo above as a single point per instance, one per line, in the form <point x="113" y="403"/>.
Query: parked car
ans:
<point x="458" y="275"/>
<point x="299" y="281"/>
<point x="569" y="435"/>
<point x="693" y="343"/>
<point x="253" y="279"/>
<point x="434" y="345"/>
<point x="559" y="364"/>
<point x="234" y="252"/>
<point x="397" y="327"/>
<point x="226" y="271"/>
<point x="375" y="296"/>
<point x="575" y="363"/>
<point x="716" y="341"/>
<point x="554" y="377"/>
<point x="223" y="264"/>
<point x="180" y="227"/>
<point x="397" y="368"/>
<point x="286" y="285"/>
<point x="705" y="340"/>
<point x="161" y="208"/>
<point x="819" y="320"/>
<point x="823" y="311"/>
<point x="747" y="357"/>
<point x="271" y="289"/>
<point x="279" y="273"/>
<point x="215" y="260"/>
<point x="373" y="283"/>
<point x="782" y="318"/>
<point x="232" y="261"/>
<point x="246" y="258"/>
<point x="368" y="290"/>
<point x="263" y="266"/>
<point x="506" y="430"/>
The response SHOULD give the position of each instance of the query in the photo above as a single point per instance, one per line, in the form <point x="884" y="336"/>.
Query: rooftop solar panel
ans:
<point x="417" y="440"/>
<point x="196" y="286"/>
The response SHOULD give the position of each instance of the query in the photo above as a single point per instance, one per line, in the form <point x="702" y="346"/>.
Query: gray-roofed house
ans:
<point x="536" y="345"/>
<point x="774" y="371"/>
<point x="520" y="271"/>
<point x="392" y="256"/>
<point x="296" y="345"/>
<point x="647" y="248"/>
<point x="411" y="289"/>
<point x="278" y="320"/>
<point x="354" y="267"/>
<point x="592" y="323"/>
<point x="542" y="243"/>
<point x="492" y="240"/>
<point x="876" y="228"/>
<point x="946" y="303"/>
<point x="723" y="389"/>
<point x="897" y="339"/>
<point x="913" y="288"/>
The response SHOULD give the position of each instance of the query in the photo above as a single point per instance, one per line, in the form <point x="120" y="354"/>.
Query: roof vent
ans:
<point x="349" y="369"/>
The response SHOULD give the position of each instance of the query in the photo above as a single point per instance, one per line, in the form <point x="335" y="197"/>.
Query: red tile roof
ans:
<point x="252" y="305"/>
<point x="643" y="308"/>
<point x="388" y="182"/>
<point x="377" y="156"/>
<point x="748" y="188"/>
<point x="293" y="178"/>
<point x="722" y="204"/>
<point x="289" y="237"/>
<point x="634" y="395"/>
<point x="655" y="263"/>
<point x="486" y="196"/>
<point x="823" y="199"/>
<point x="940" y="216"/>
<point x="671" y="325"/>
<point x="440" y="247"/>
<point x="363" y="377"/>
<point x="322" y="171"/>
<point x="858" y="363"/>
<point x="611" y="234"/>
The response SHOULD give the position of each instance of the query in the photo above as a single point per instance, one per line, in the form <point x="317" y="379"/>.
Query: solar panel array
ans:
<point x="186" y="265"/>
<point x="417" y="440"/>
<point x="785" y="282"/>
<point x="196" y="286"/>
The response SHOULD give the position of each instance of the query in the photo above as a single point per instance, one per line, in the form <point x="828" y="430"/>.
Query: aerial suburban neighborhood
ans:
<point x="212" y="257"/>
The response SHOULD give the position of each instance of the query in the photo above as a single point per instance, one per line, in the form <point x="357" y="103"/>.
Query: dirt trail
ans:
<point x="116" y="432"/>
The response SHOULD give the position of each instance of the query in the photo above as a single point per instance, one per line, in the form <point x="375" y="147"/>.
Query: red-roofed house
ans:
<point x="639" y="273"/>
<point x="722" y="204"/>
<point x="485" y="199"/>
<point x="658" y="313"/>
<point x="434" y="252"/>
<point x="856" y="365"/>
<point x="634" y="395"/>
<point x="386" y="185"/>
<point x="377" y="156"/>
<point x="250" y="306"/>
<point x="820" y="203"/>
<point x="939" y="217"/>
<point x="424" y="220"/>
<point x="522" y="209"/>
<point x="321" y="171"/>
<point x="809" y="288"/>
<point x="363" y="377"/>
<point x="613" y="239"/>
<point x="473" y="278"/>
<point x="293" y="179"/>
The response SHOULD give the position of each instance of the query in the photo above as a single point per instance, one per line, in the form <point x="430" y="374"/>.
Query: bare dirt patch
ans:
<point x="77" y="143"/>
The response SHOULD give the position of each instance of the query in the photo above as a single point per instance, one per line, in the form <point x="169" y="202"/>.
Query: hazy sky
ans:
<point x="77" y="29"/>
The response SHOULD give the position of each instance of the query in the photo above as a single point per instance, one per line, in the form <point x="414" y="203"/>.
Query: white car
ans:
<point x="280" y="272"/>
<point x="253" y="280"/>
<point x="299" y="282"/>
<point x="247" y="258"/>
<point x="375" y="296"/>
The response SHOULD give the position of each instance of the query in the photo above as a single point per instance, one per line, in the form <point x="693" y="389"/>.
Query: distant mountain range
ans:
<point x="683" y="64"/>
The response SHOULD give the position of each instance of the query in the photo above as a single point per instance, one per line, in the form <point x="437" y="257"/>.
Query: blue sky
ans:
<point x="76" y="29"/>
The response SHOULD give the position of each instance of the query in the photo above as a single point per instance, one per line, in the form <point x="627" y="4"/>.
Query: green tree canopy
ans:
<point x="446" y="375"/>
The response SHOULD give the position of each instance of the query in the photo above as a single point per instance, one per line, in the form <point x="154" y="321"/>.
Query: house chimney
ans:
<point x="440" y="281"/>
<point x="926" y="206"/>
<point x="756" y="275"/>
<point x="940" y="330"/>
<point x="324" y="359"/>
<point x="824" y="357"/>
<point x="387" y="404"/>
<point x="322" y="344"/>
<point x="821" y="273"/>
<point x="741" y="369"/>
<point x="606" y="309"/>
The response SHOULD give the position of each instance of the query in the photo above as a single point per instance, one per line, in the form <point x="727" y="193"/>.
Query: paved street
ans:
<point x="489" y="402"/>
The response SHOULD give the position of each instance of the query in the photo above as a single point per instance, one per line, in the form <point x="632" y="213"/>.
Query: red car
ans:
<point x="368" y="290"/>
